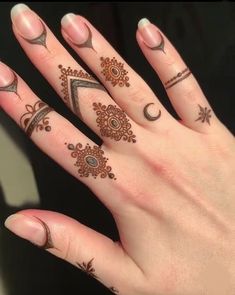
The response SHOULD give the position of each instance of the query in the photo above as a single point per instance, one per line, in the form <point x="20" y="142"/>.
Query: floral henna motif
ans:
<point x="88" y="268"/>
<point x="114" y="72"/>
<point x="90" y="161"/>
<point x="113" y="122"/>
<point x="35" y="118"/>
<point x="204" y="115"/>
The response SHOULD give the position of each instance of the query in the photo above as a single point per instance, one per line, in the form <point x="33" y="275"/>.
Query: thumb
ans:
<point x="92" y="252"/>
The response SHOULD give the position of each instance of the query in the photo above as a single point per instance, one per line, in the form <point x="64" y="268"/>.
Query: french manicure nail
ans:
<point x="76" y="30"/>
<point x="6" y="75"/>
<point x="28" y="24"/>
<point x="150" y="34"/>
<point x="27" y="227"/>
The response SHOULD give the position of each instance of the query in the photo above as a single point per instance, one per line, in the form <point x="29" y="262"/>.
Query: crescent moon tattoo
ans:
<point x="160" y="46"/>
<point x="148" y="116"/>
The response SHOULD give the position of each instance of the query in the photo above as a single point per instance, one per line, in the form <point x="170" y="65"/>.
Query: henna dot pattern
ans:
<point x="204" y="114"/>
<point x="90" y="161"/>
<point x="36" y="118"/>
<point x="113" y="122"/>
<point x="114" y="72"/>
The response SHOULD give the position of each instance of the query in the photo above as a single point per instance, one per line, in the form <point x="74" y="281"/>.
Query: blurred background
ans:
<point x="204" y="34"/>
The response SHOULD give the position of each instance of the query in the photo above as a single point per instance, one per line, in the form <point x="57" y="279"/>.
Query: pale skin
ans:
<point x="173" y="198"/>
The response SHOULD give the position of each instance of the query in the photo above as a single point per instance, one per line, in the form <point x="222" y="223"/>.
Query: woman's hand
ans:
<point x="169" y="184"/>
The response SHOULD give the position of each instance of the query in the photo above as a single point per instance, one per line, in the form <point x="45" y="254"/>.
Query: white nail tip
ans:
<point x="67" y="18"/>
<point x="18" y="8"/>
<point x="143" y="22"/>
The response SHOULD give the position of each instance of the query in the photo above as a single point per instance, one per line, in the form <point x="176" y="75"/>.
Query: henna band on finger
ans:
<point x="178" y="78"/>
<point x="35" y="118"/>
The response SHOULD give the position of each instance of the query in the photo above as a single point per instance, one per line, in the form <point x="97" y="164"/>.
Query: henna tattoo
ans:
<point x="113" y="122"/>
<point x="41" y="39"/>
<point x="114" y="290"/>
<point x="90" y="161"/>
<point x="48" y="243"/>
<point x="148" y="116"/>
<point x="12" y="87"/>
<point x="88" y="268"/>
<point x="88" y="42"/>
<point x="35" y="118"/>
<point x="114" y="72"/>
<point x="178" y="78"/>
<point x="72" y="80"/>
<point x="159" y="47"/>
<point x="204" y="114"/>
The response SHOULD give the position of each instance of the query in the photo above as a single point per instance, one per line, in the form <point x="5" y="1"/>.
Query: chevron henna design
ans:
<point x="72" y="80"/>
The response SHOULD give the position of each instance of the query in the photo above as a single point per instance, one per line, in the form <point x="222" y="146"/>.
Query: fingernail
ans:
<point x="6" y="75"/>
<point x="26" y="21"/>
<point x="149" y="33"/>
<point x="75" y="28"/>
<point x="27" y="227"/>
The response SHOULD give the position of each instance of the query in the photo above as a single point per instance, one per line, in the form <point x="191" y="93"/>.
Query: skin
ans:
<point x="173" y="197"/>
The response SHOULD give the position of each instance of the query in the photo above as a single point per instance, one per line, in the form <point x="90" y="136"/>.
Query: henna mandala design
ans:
<point x="113" y="122"/>
<point x="204" y="115"/>
<point x="115" y="291"/>
<point x="88" y="268"/>
<point x="114" y="72"/>
<point x="160" y="46"/>
<point x="90" y="161"/>
<point x="40" y="40"/>
<point x="48" y="243"/>
<point x="178" y="78"/>
<point x="35" y="118"/>
<point x="88" y="42"/>
<point x="72" y="80"/>
<point x="12" y="87"/>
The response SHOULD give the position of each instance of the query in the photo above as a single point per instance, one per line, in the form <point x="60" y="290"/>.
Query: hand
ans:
<point x="169" y="184"/>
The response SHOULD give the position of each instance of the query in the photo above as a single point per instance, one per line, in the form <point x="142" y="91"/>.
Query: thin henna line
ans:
<point x="179" y="80"/>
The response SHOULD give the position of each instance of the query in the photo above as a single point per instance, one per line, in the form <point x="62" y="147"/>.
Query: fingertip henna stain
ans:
<point x="12" y="87"/>
<point x="48" y="242"/>
<point x="88" y="42"/>
<point x="41" y="39"/>
<point x="160" y="47"/>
